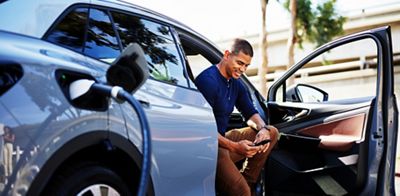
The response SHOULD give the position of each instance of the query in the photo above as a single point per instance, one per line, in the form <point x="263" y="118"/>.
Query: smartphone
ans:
<point x="262" y="142"/>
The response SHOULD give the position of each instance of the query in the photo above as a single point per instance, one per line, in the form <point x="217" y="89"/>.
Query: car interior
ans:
<point x="322" y="149"/>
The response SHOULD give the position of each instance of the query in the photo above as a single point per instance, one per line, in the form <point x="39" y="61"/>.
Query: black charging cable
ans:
<point x="120" y="94"/>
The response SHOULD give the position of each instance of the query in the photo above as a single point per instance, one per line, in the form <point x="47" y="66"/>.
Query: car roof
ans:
<point x="156" y="15"/>
<point x="39" y="15"/>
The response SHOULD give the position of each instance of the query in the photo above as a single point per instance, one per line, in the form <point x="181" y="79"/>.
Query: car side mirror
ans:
<point x="306" y="94"/>
<point x="129" y="70"/>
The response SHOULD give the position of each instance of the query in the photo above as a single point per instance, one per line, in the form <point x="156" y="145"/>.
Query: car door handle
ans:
<point x="301" y="114"/>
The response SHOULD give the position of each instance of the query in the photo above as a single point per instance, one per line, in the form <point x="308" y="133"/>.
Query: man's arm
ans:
<point x="256" y="122"/>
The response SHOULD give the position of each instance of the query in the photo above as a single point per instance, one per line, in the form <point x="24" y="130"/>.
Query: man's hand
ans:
<point x="263" y="134"/>
<point x="247" y="148"/>
<point x="257" y="123"/>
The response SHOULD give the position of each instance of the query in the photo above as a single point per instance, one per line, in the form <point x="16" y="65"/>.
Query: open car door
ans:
<point x="338" y="138"/>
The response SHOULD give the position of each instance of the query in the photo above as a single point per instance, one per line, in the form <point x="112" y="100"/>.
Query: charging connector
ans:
<point x="81" y="87"/>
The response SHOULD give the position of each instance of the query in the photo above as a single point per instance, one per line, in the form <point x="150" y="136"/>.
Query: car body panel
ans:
<point x="41" y="117"/>
<point x="176" y="119"/>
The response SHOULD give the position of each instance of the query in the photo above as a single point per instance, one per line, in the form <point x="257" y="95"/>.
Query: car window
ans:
<point x="353" y="64"/>
<point x="158" y="44"/>
<point x="101" y="42"/>
<point x="198" y="63"/>
<point x="70" y="31"/>
<point x="198" y="55"/>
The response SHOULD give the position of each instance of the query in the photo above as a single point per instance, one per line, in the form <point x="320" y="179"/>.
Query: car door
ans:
<point x="338" y="124"/>
<point x="179" y="123"/>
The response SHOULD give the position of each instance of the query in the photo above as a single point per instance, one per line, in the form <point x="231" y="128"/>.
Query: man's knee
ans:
<point x="232" y="134"/>
<point x="245" y="133"/>
<point x="274" y="133"/>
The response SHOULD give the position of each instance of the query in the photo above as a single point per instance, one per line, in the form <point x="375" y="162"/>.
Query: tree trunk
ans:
<point x="292" y="38"/>
<point x="263" y="66"/>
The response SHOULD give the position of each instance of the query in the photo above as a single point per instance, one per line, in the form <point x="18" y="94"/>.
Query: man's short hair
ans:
<point x="241" y="45"/>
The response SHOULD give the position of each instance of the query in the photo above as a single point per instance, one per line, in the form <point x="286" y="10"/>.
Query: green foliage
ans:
<point x="328" y="24"/>
<point x="318" y="25"/>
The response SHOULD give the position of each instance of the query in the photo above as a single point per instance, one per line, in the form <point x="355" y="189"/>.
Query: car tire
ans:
<point x="87" y="179"/>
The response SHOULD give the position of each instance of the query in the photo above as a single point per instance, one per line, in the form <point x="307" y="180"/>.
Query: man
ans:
<point x="9" y="138"/>
<point x="221" y="86"/>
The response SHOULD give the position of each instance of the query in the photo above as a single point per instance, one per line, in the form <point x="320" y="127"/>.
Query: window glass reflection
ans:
<point x="101" y="42"/>
<point x="70" y="32"/>
<point x="158" y="44"/>
<point x="310" y="95"/>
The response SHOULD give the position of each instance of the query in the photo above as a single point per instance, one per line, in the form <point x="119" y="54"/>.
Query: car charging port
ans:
<point x="90" y="101"/>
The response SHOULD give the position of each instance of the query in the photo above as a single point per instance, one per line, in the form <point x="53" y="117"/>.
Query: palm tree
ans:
<point x="317" y="26"/>
<point x="292" y="39"/>
<point x="263" y="66"/>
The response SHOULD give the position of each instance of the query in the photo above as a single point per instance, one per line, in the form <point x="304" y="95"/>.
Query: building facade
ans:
<point x="348" y="67"/>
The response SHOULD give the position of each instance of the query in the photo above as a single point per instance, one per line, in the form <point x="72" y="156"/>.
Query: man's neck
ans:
<point x="222" y="69"/>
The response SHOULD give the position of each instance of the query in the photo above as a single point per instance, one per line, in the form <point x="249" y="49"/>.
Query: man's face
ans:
<point x="237" y="63"/>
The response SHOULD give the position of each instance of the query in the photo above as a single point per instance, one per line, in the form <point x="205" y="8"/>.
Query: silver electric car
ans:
<point x="331" y="143"/>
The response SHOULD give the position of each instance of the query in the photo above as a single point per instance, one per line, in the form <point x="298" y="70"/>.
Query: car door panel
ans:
<point x="338" y="135"/>
<point x="336" y="147"/>
<point x="294" y="116"/>
<point x="334" y="132"/>
<point x="182" y="128"/>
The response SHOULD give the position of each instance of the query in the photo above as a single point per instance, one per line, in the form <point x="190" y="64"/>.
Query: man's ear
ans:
<point x="226" y="54"/>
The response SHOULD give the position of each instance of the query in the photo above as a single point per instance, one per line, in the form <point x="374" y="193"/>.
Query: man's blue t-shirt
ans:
<point x="223" y="95"/>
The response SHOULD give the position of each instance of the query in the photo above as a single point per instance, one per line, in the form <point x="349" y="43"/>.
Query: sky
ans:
<point x="226" y="19"/>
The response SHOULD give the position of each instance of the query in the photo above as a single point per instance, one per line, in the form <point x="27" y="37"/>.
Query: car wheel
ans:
<point x="87" y="180"/>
